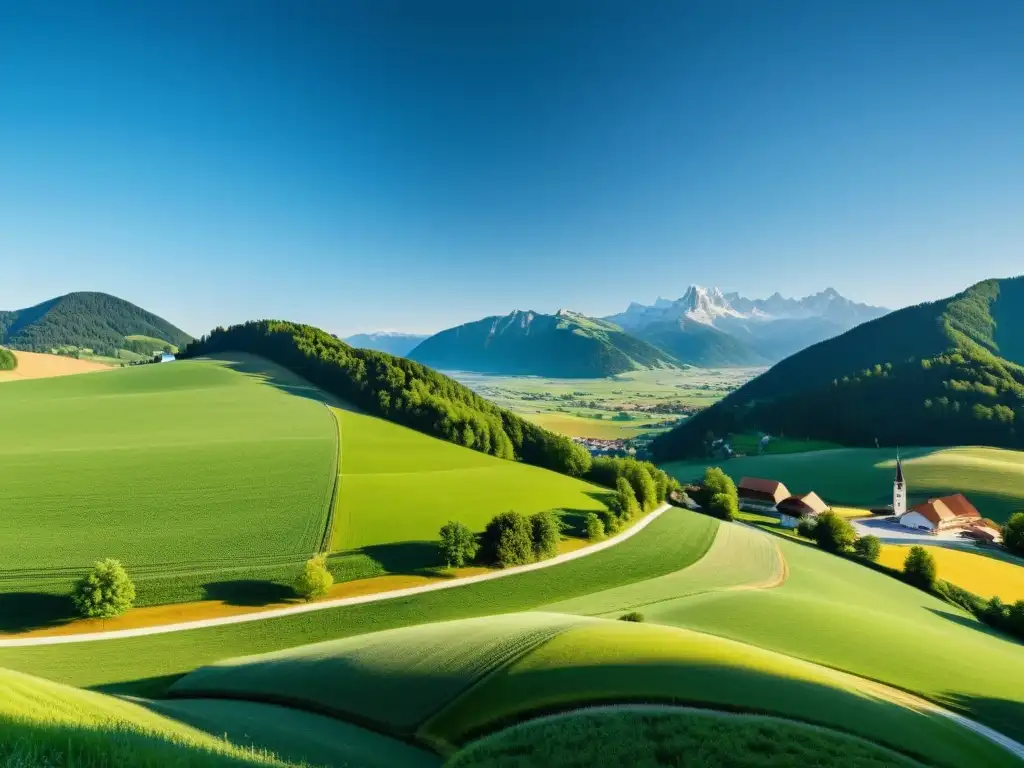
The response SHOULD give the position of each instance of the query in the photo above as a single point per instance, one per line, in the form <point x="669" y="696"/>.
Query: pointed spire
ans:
<point x="899" y="467"/>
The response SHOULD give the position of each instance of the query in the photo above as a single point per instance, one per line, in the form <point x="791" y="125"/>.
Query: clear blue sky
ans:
<point x="366" y="165"/>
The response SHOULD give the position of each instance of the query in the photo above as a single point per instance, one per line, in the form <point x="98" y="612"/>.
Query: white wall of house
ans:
<point x="917" y="521"/>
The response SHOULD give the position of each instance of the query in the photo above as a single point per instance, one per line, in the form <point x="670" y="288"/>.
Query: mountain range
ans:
<point x="947" y="372"/>
<point x="565" y="344"/>
<point x="392" y="342"/>
<point x="710" y="328"/>
<point x="87" y="320"/>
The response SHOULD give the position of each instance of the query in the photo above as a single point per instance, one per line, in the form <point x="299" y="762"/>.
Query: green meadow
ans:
<point x="399" y="486"/>
<point x="191" y="473"/>
<point x="992" y="478"/>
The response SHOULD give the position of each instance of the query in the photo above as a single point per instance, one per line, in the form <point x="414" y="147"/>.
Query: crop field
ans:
<point x="604" y="661"/>
<point x="739" y="557"/>
<point x="33" y="365"/>
<point x="45" y="723"/>
<point x="294" y="734"/>
<point x="652" y="399"/>
<point x="189" y="473"/>
<point x="644" y="735"/>
<point x="976" y="572"/>
<point x="992" y="478"/>
<point x="144" y="665"/>
<point x="399" y="486"/>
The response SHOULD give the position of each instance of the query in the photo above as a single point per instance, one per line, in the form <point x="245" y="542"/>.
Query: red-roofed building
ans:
<point x="761" y="495"/>
<point x="943" y="514"/>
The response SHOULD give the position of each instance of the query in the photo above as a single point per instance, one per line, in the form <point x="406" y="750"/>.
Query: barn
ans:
<point x="807" y="505"/>
<point x="759" y="495"/>
<point x="943" y="514"/>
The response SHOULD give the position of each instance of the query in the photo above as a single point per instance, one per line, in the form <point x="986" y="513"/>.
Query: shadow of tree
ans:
<point x="279" y="377"/>
<point x="975" y="624"/>
<point x="414" y="558"/>
<point x="249" y="592"/>
<point x="148" y="687"/>
<point x="1005" y="715"/>
<point x="24" y="611"/>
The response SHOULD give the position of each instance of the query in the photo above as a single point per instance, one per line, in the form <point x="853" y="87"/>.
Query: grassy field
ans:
<point x="399" y="486"/>
<point x="44" y="723"/>
<point x="145" y="665"/>
<point x="157" y="343"/>
<point x="647" y="736"/>
<point x="975" y="572"/>
<point x="581" y="425"/>
<point x="33" y="365"/>
<point x="750" y="442"/>
<point x="294" y="734"/>
<point x="190" y="473"/>
<point x="602" y="661"/>
<point x="992" y="478"/>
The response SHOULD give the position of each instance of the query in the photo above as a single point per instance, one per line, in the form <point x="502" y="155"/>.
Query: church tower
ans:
<point x="899" y="490"/>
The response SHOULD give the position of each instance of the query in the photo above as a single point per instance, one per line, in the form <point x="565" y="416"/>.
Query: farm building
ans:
<point x="164" y="357"/>
<point x="943" y="514"/>
<point x="758" y="495"/>
<point x="793" y="508"/>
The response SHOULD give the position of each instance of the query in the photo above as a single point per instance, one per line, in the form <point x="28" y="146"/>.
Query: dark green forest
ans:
<point x="942" y="373"/>
<point x="8" y="362"/>
<point x="565" y="345"/>
<point x="94" y="321"/>
<point x="400" y="390"/>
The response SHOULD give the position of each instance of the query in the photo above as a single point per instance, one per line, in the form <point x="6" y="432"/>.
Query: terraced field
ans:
<point x="442" y="683"/>
<point x="193" y="473"/>
<point x="992" y="478"/>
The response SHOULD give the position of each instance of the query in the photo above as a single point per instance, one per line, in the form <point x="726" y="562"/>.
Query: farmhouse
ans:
<point x="759" y="495"/>
<point x="943" y="514"/>
<point x="793" y="508"/>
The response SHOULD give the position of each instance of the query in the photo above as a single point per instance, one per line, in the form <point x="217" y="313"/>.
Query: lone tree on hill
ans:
<point x="919" y="568"/>
<point x="458" y="544"/>
<point x="868" y="548"/>
<point x="1013" y="533"/>
<point x="545" y="533"/>
<point x="833" y="533"/>
<point x="508" y="540"/>
<point x="315" y="579"/>
<point x="105" y="592"/>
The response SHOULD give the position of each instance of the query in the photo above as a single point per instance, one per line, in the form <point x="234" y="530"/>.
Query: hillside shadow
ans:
<point x="25" y="611"/>
<point x="278" y="377"/>
<point x="1004" y="715"/>
<point x="408" y="558"/>
<point x="976" y="624"/>
<point x="249" y="592"/>
<point x="147" y="687"/>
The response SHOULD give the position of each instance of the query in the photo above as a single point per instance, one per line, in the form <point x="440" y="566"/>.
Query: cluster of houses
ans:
<point x="605" y="447"/>
<point x="946" y="514"/>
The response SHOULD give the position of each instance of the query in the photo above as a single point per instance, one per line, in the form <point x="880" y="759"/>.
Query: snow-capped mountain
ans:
<point x="392" y="342"/>
<point x="761" y="330"/>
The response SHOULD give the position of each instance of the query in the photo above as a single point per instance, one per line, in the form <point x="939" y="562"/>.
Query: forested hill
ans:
<point x="527" y="343"/>
<point x="942" y="373"/>
<point x="94" y="321"/>
<point x="399" y="390"/>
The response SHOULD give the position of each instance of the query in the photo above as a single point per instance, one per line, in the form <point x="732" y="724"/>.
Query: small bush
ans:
<point x="868" y="548"/>
<point x="508" y="540"/>
<point x="595" y="528"/>
<point x="458" y="544"/>
<point x="315" y="580"/>
<point x="632" y="616"/>
<point x="833" y="533"/>
<point x="545" y="533"/>
<point x="105" y="592"/>
<point x="611" y="521"/>
<point x="724" y="506"/>
<point x="806" y="527"/>
<point x="1013" y="533"/>
<point x="919" y="568"/>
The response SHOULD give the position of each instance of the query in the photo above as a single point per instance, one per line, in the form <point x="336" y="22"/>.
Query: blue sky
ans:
<point x="367" y="165"/>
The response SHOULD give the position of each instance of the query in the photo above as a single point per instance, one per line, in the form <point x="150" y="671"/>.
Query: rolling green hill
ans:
<point x="943" y="373"/>
<point x="565" y="345"/>
<point x="95" y="321"/>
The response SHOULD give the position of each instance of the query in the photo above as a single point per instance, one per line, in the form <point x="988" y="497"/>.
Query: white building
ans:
<point x="899" y="490"/>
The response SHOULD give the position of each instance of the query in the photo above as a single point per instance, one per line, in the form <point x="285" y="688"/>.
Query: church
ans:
<point x="946" y="513"/>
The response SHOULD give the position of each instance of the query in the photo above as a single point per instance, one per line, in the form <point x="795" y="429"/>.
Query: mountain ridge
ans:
<point x="937" y="373"/>
<point x="393" y="342"/>
<point x="524" y="342"/>
<point x="84" y="319"/>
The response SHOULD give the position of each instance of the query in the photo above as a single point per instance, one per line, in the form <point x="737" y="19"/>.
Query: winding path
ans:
<point x="90" y="637"/>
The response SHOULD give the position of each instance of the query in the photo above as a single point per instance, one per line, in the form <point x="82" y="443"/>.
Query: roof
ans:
<point x="810" y="502"/>
<point x="899" y="470"/>
<point x="772" y="488"/>
<point x="946" y="509"/>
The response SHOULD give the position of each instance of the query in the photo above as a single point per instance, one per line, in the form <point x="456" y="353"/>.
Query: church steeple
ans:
<point x="899" y="489"/>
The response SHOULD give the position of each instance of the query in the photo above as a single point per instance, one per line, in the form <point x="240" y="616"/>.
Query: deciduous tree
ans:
<point x="458" y="544"/>
<point x="105" y="592"/>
